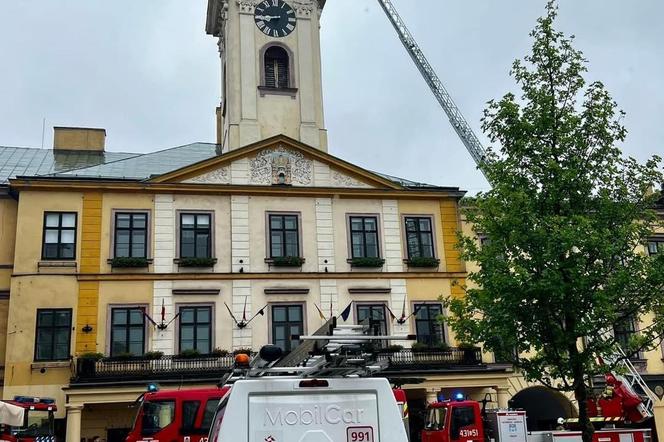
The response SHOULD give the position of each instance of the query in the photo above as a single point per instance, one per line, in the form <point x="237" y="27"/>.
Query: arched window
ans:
<point x="277" y="66"/>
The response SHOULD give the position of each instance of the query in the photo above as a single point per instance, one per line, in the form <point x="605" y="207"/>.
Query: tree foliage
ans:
<point x="565" y="223"/>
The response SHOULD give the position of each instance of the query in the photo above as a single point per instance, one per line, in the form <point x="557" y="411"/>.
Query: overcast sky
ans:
<point x="146" y="71"/>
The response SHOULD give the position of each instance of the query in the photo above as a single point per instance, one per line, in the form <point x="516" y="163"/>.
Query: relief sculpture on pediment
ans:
<point x="280" y="166"/>
<point x="221" y="175"/>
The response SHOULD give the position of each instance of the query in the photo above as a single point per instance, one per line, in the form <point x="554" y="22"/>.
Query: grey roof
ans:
<point x="407" y="183"/>
<point x="16" y="162"/>
<point x="144" y="166"/>
<point x="25" y="161"/>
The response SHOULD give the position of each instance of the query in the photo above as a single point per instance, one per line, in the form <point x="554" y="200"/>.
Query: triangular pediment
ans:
<point x="277" y="160"/>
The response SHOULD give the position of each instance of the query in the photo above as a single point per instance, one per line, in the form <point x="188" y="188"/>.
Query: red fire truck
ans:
<point x="27" y="419"/>
<point x="467" y="421"/>
<point x="175" y="415"/>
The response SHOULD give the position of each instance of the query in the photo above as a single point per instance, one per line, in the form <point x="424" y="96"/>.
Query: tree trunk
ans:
<point x="581" y="395"/>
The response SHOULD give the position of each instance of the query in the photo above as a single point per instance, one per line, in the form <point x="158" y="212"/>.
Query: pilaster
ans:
<point x="88" y="292"/>
<point x="242" y="337"/>
<point x="392" y="237"/>
<point x="325" y="235"/>
<point x="240" y="233"/>
<point x="399" y="303"/>
<point x="164" y="253"/>
<point x="329" y="297"/>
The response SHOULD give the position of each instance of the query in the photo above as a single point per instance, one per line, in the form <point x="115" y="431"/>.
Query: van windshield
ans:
<point x="157" y="415"/>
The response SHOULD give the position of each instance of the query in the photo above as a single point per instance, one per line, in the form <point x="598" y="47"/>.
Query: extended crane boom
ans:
<point x="459" y="123"/>
<point x="631" y="377"/>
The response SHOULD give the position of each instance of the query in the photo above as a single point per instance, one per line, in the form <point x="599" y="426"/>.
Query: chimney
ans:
<point x="79" y="138"/>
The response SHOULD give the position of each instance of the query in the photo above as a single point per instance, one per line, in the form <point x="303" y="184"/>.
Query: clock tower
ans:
<point x="270" y="70"/>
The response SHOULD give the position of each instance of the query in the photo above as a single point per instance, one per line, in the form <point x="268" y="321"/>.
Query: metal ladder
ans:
<point x="632" y="378"/>
<point x="332" y="351"/>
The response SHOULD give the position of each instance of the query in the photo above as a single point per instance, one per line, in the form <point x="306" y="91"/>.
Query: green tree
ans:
<point x="565" y="224"/>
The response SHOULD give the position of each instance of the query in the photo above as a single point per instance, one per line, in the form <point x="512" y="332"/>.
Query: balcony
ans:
<point x="405" y="361"/>
<point x="204" y="368"/>
<point x="212" y="368"/>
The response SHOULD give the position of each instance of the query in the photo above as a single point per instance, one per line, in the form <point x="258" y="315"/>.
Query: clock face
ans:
<point x="275" y="18"/>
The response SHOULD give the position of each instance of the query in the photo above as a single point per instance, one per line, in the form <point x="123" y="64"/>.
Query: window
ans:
<point x="655" y="246"/>
<point x="284" y="236"/>
<point x="157" y="415"/>
<point x="364" y="236"/>
<point x="286" y="321"/>
<point x="131" y="235"/>
<point x="419" y="237"/>
<point x="59" y="235"/>
<point x="427" y="327"/>
<point x="376" y="312"/>
<point x="127" y="331"/>
<point x="196" y="328"/>
<point x="623" y="330"/>
<point x="461" y="418"/>
<point x="195" y="235"/>
<point x="53" y="334"/>
<point x="189" y="412"/>
<point x="208" y="413"/>
<point x="277" y="67"/>
<point x="435" y="419"/>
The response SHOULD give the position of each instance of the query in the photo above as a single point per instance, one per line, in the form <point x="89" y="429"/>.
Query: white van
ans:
<point x="273" y="409"/>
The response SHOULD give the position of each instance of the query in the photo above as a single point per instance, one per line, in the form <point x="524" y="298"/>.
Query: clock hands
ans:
<point x="267" y="17"/>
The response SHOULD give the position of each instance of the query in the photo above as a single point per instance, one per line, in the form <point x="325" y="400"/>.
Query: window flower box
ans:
<point x="423" y="262"/>
<point x="366" y="262"/>
<point x="286" y="261"/>
<point x="128" y="262"/>
<point x="196" y="262"/>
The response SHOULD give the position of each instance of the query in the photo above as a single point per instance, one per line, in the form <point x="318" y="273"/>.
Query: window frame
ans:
<point x="148" y="230"/>
<point x="60" y="229"/>
<point x="443" y="329"/>
<point x="268" y="232"/>
<point x="634" y="322"/>
<point x="69" y="328"/>
<point x="431" y="218"/>
<point x="383" y="304"/>
<point x="211" y="239"/>
<point x="349" y="233"/>
<point x="109" y="325"/>
<point x="178" y="327"/>
<point x="659" y="245"/>
<point x="303" y="319"/>
<point x="292" y="83"/>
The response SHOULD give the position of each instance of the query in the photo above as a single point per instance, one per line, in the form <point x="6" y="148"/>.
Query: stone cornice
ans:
<point x="61" y="185"/>
<point x="216" y="15"/>
<point x="265" y="276"/>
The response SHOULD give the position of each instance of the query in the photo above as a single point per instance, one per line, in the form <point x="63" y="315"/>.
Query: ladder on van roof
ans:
<point x="332" y="351"/>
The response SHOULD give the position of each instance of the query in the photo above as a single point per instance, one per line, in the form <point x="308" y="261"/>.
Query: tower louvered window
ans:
<point x="277" y="68"/>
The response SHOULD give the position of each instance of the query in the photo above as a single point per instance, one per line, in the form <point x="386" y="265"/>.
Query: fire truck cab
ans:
<point x="450" y="421"/>
<point x="27" y="419"/>
<point x="175" y="415"/>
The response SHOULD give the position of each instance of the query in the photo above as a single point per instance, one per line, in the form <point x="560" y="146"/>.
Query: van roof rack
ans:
<point x="332" y="351"/>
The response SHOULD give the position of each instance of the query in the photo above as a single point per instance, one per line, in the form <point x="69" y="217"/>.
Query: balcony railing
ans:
<point x="409" y="360"/>
<point x="212" y="368"/>
<point x="164" y="368"/>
